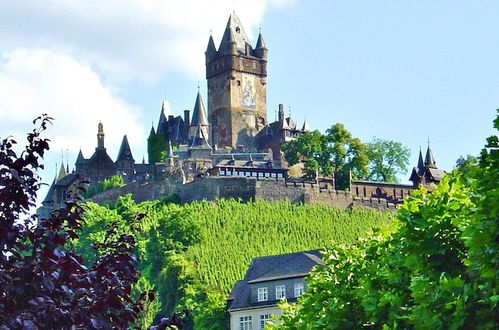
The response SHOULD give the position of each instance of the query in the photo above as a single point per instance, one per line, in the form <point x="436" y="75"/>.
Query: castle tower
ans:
<point x="237" y="96"/>
<point x="198" y="119"/>
<point x="125" y="162"/>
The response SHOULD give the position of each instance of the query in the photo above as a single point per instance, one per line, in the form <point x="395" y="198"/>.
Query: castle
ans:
<point x="233" y="138"/>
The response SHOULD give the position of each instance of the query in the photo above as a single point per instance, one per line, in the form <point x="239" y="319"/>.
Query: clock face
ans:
<point x="248" y="91"/>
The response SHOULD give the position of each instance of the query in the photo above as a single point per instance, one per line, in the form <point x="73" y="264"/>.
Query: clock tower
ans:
<point x="237" y="96"/>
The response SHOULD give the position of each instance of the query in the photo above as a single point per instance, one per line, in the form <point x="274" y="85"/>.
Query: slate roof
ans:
<point x="199" y="114"/>
<point x="234" y="32"/>
<point x="199" y="141"/>
<point x="125" y="153"/>
<point x="272" y="268"/>
<point x="246" y="163"/>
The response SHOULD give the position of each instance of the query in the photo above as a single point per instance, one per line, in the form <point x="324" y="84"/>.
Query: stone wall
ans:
<point x="246" y="189"/>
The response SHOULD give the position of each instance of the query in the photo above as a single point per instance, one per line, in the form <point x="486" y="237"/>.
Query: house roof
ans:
<point x="272" y="268"/>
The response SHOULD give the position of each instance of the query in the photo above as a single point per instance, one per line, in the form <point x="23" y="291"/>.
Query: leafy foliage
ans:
<point x="336" y="151"/>
<point x="192" y="254"/>
<point x="313" y="148"/>
<point x="107" y="184"/>
<point x="438" y="270"/>
<point x="41" y="284"/>
<point x="386" y="160"/>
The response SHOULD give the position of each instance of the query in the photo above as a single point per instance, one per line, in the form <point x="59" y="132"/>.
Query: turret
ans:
<point x="305" y="127"/>
<point x="100" y="136"/>
<point x="199" y="118"/>
<point x="162" y="128"/>
<point x="229" y="44"/>
<point x="170" y="160"/>
<point x="260" y="49"/>
<point x="429" y="160"/>
<point x="420" y="160"/>
<point x="125" y="153"/>
<point x="211" y="50"/>
<point x="62" y="172"/>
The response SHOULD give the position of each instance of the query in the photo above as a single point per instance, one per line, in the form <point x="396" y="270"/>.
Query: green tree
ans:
<point x="348" y="155"/>
<point x="386" y="159"/>
<point x="438" y="269"/>
<point x="336" y="151"/>
<point x="313" y="149"/>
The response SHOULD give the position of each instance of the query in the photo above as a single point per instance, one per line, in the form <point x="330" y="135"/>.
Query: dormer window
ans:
<point x="263" y="294"/>
<point x="280" y="291"/>
<point x="299" y="289"/>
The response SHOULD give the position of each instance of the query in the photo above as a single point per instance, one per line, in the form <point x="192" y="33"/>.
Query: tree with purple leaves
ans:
<point x="42" y="284"/>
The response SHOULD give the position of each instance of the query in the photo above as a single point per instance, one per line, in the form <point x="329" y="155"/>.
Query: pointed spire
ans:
<point x="152" y="133"/>
<point x="211" y="50"/>
<point x="234" y="38"/>
<point x="50" y="194"/>
<point x="429" y="160"/>
<point x="67" y="167"/>
<point x="260" y="43"/>
<point x="125" y="153"/>
<point x="143" y="159"/>
<point x="305" y="127"/>
<point x="200" y="141"/>
<point x="80" y="159"/>
<point x="171" y="162"/>
<point x="420" y="160"/>
<point x="162" y="128"/>
<point x="62" y="172"/>
<point x="199" y="114"/>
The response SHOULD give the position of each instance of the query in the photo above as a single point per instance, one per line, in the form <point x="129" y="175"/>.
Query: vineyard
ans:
<point x="192" y="254"/>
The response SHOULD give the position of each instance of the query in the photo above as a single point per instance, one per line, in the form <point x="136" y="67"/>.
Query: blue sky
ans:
<point x="400" y="70"/>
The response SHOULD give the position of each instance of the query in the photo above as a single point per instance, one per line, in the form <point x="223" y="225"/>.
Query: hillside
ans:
<point x="192" y="254"/>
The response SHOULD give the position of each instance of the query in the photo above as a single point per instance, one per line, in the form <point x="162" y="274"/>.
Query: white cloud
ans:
<point x="33" y="82"/>
<point x="127" y="38"/>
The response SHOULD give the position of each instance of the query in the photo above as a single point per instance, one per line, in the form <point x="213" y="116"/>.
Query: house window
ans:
<point x="299" y="289"/>
<point x="245" y="323"/>
<point x="263" y="294"/>
<point x="280" y="291"/>
<point x="264" y="318"/>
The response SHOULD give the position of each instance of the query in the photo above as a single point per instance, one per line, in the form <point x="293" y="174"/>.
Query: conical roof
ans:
<point x="50" y="194"/>
<point x="80" y="159"/>
<point x="260" y="43"/>
<point x="210" y="49"/>
<point x="62" y="172"/>
<point x="200" y="141"/>
<point x="199" y="115"/>
<point x="420" y="160"/>
<point x="163" y="122"/>
<point x="152" y="133"/>
<point x="125" y="153"/>
<point x="429" y="160"/>
<point x="305" y="127"/>
<point x="234" y="32"/>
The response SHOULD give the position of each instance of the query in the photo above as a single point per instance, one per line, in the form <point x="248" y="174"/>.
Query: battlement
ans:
<point x="246" y="189"/>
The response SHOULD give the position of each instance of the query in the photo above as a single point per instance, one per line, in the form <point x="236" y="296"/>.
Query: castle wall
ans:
<point x="245" y="189"/>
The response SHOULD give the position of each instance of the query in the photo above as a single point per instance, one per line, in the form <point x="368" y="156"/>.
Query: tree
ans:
<point x="386" y="160"/>
<point x="437" y="269"/>
<point x="313" y="149"/>
<point x="42" y="285"/>
<point x="349" y="155"/>
<point x="336" y="151"/>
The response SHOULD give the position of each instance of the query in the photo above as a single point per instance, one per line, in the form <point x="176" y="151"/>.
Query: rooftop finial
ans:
<point x="198" y="86"/>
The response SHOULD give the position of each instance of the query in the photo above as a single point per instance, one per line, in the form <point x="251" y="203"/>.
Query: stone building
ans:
<point x="229" y="137"/>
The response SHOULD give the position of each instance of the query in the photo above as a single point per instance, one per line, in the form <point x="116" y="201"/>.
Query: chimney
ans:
<point x="187" y="120"/>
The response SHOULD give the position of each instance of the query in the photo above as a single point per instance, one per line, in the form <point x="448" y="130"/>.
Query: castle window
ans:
<point x="222" y="172"/>
<point x="239" y="83"/>
<point x="263" y="294"/>
<point x="280" y="291"/>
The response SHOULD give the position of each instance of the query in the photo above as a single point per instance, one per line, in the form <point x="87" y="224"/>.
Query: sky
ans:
<point x="409" y="71"/>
